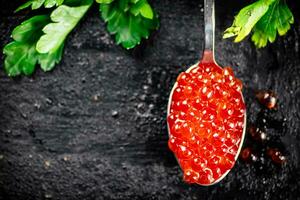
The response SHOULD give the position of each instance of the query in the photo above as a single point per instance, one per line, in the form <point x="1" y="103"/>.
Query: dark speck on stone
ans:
<point x="48" y="196"/>
<point x="96" y="97"/>
<point x="49" y="101"/>
<point x="37" y="105"/>
<point x="114" y="113"/>
<point x="31" y="133"/>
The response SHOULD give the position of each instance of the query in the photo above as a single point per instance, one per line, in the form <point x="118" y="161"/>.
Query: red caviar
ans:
<point x="206" y="122"/>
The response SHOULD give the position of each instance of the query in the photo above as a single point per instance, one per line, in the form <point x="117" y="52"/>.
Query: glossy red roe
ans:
<point x="206" y="121"/>
<point x="276" y="156"/>
<point x="267" y="98"/>
<point x="256" y="133"/>
<point x="246" y="153"/>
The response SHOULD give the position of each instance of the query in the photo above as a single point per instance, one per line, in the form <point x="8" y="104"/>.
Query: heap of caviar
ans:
<point x="206" y="122"/>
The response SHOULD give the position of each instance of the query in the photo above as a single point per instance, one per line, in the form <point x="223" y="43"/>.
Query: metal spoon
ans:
<point x="208" y="57"/>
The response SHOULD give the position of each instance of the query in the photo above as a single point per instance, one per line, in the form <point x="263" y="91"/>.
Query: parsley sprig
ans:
<point x="41" y="39"/>
<point x="129" y="20"/>
<point x="264" y="18"/>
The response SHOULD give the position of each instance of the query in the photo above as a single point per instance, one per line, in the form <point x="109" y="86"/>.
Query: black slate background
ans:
<point x="94" y="127"/>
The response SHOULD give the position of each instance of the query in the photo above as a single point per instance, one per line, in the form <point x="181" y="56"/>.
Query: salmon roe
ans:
<point x="206" y="121"/>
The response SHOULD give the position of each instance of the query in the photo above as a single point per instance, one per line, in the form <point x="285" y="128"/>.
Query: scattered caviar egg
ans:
<point x="276" y="156"/>
<point x="267" y="98"/>
<point x="256" y="133"/>
<point x="206" y="122"/>
<point x="247" y="155"/>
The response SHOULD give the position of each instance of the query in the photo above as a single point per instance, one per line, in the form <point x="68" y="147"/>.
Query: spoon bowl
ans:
<point x="244" y="129"/>
<point x="208" y="58"/>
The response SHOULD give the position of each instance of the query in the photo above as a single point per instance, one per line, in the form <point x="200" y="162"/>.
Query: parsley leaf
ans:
<point x="142" y="7"/>
<point x="36" y="4"/>
<point x="52" y="3"/>
<point x="129" y="20"/>
<point x="104" y="1"/>
<point x="264" y="18"/>
<point x="278" y="18"/>
<point x="21" y="56"/>
<point x="64" y="18"/>
<point x="246" y="20"/>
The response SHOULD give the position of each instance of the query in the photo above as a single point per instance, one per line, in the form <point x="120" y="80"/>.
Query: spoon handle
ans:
<point x="209" y="30"/>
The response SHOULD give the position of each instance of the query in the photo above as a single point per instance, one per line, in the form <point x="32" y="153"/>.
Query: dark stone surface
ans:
<point x="94" y="127"/>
